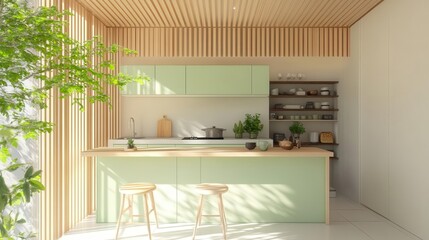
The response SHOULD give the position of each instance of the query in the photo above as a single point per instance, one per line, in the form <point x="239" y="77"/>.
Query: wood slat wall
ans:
<point x="234" y="42"/>
<point x="69" y="178"/>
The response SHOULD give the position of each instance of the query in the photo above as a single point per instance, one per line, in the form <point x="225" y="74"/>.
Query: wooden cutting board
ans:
<point x="164" y="127"/>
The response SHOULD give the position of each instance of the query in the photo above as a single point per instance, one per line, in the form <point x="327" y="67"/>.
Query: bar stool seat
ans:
<point x="127" y="192"/>
<point x="206" y="189"/>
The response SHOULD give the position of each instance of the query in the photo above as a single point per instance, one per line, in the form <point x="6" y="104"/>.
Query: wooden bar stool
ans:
<point x="127" y="192"/>
<point x="206" y="189"/>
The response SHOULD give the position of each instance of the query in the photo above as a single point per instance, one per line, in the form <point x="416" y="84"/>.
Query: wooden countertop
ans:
<point x="209" y="152"/>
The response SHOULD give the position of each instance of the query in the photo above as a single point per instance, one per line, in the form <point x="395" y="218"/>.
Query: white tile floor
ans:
<point x="349" y="221"/>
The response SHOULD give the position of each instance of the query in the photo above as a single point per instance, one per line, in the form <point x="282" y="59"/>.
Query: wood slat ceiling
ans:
<point x="229" y="13"/>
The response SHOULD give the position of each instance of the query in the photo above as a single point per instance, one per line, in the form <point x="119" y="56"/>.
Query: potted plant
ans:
<point x="130" y="145"/>
<point x="238" y="129"/>
<point x="252" y="125"/>
<point x="296" y="129"/>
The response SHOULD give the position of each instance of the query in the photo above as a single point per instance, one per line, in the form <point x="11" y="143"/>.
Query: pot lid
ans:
<point x="214" y="128"/>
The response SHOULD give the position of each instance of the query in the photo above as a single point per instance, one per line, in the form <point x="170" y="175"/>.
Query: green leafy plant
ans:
<point x="297" y="128"/>
<point x="130" y="143"/>
<point x="238" y="128"/>
<point x="36" y="59"/>
<point x="252" y="124"/>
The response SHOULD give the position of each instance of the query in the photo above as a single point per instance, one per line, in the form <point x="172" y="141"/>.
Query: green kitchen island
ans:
<point x="264" y="186"/>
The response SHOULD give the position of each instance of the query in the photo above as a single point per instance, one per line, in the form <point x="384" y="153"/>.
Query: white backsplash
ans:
<point x="190" y="114"/>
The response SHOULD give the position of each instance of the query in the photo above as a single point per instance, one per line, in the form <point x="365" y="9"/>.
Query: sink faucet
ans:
<point x="133" y="126"/>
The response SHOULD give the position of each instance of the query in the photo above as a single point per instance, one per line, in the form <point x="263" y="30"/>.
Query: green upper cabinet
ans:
<point x="203" y="80"/>
<point x="260" y="80"/>
<point x="218" y="80"/>
<point x="170" y="79"/>
<point x="138" y="70"/>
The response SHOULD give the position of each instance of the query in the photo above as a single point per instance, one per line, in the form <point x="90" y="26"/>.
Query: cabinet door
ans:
<point x="218" y="80"/>
<point x="260" y="80"/>
<point x="170" y="80"/>
<point x="139" y="70"/>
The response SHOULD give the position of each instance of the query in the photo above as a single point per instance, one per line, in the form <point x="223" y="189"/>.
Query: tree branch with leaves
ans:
<point x="36" y="57"/>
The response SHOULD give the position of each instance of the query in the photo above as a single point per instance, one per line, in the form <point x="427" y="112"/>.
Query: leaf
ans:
<point x="20" y="221"/>
<point x="3" y="188"/>
<point x="37" y="185"/>
<point x="36" y="173"/>
<point x="26" y="190"/>
<point x="13" y="167"/>
<point x="4" y="154"/>
<point x="29" y="172"/>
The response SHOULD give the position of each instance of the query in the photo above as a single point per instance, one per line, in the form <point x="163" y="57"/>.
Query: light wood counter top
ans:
<point x="209" y="152"/>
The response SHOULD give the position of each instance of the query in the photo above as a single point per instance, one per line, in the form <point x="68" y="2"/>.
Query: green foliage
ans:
<point x="238" y="128"/>
<point x="297" y="128"/>
<point x="252" y="123"/>
<point x="39" y="61"/>
<point x="130" y="143"/>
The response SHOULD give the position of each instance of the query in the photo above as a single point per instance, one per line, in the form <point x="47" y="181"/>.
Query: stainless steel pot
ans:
<point x="214" y="132"/>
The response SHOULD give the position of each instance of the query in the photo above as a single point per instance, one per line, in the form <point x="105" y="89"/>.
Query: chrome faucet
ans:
<point x="133" y="126"/>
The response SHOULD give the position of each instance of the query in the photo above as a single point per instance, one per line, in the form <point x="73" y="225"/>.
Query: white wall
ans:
<point x="394" y="114"/>
<point x="190" y="115"/>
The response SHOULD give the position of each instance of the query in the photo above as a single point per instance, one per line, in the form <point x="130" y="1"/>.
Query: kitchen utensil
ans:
<point x="312" y="92"/>
<point x="326" y="137"/>
<point x="317" y="105"/>
<point x="275" y="91"/>
<point x="214" y="132"/>
<point x="309" y="105"/>
<point x="263" y="145"/>
<point x="164" y="127"/>
<point x="278" y="106"/>
<point x="290" y="106"/>
<point x="324" y="91"/>
<point x="286" y="144"/>
<point x="250" y="145"/>
<point x="327" y="116"/>
<point x="277" y="137"/>
<point x="300" y="93"/>
<point x="314" y="137"/>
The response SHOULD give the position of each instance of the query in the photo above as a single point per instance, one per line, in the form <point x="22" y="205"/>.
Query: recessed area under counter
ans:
<point x="265" y="186"/>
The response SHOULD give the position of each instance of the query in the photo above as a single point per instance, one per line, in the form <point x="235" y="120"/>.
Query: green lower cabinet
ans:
<point x="270" y="189"/>
<point x="112" y="172"/>
<point x="188" y="174"/>
<point x="261" y="189"/>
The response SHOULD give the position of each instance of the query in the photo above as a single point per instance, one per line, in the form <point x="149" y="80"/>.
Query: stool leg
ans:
<point x="222" y="216"/>
<point x="199" y="213"/>
<point x="120" y="215"/>
<point x="154" y="208"/>
<point x="223" y="210"/>
<point x="146" y="212"/>
<point x="131" y="212"/>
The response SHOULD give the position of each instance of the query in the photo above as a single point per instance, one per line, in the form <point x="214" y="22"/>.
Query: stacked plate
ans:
<point x="324" y="105"/>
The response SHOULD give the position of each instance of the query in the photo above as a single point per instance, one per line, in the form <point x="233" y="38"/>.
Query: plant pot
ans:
<point x="239" y="135"/>
<point x="297" y="140"/>
<point x="253" y="135"/>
